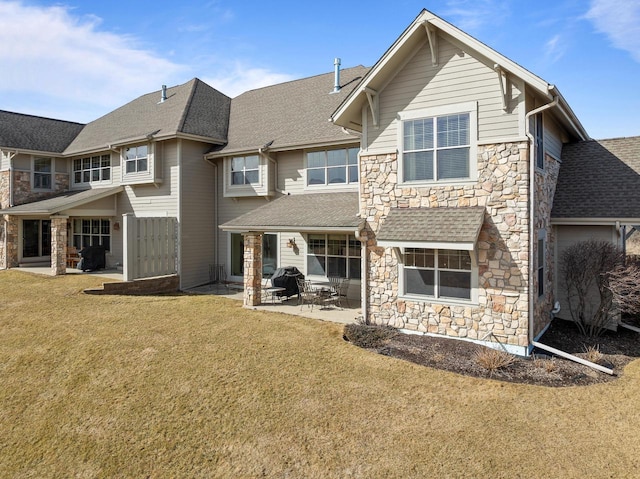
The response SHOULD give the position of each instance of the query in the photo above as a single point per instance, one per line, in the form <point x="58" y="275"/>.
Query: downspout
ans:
<point x="532" y="173"/>
<point x="11" y="157"/>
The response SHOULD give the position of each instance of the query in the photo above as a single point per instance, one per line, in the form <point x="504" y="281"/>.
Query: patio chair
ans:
<point x="307" y="294"/>
<point x="341" y="292"/>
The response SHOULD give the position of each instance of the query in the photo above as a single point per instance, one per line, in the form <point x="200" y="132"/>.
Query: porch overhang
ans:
<point x="313" y="212"/>
<point x="62" y="202"/>
<point x="438" y="228"/>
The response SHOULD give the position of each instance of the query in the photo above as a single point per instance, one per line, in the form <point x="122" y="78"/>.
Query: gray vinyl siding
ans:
<point x="552" y="139"/>
<point x="197" y="217"/>
<point x="290" y="256"/>
<point x="291" y="171"/>
<point x="458" y="78"/>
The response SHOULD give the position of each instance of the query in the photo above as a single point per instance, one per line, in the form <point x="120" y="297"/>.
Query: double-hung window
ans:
<point x="437" y="273"/>
<point x="42" y="173"/>
<point x="438" y="144"/>
<point x="332" y="167"/>
<point x="92" y="169"/>
<point x="245" y="170"/>
<point x="92" y="232"/>
<point x="136" y="159"/>
<point x="333" y="255"/>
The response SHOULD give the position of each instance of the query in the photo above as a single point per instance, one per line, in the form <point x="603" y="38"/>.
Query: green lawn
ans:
<point x="197" y="386"/>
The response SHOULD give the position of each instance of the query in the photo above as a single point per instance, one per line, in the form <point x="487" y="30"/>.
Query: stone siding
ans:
<point x="501" y="312"/>
<point x="545" y="188"/>
<point x="23" y="194"/>
<point x="252" y="269"/>
<point x="59" y="245"/>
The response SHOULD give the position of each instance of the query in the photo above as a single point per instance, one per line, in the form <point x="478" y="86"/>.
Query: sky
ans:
<point x="77" y="60"/>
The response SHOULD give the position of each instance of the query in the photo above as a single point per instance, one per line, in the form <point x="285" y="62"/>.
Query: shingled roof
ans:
<point x="432" y="225"/>
<point x="193" y="108"/>
<point x="313" y="211"/>
<point x="291" y="114"/>
<point x="599" y="179"/>
<point x="62" y="201"/>
<point x="35" y="133"/>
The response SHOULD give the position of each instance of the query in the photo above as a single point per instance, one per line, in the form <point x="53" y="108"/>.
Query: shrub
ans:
<point x="368" y="336"/>
<point x="586" y="269"/>
<point x="548" y="364"/>
<point x="493" y="359"/>
<point x="593" y="354"/>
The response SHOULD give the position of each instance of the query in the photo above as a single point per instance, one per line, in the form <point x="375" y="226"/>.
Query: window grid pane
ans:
<point x="94" y="169"/>
<point x="450" y="279"/>
<point x="330" y="167"/>
<point x="333" y="255"/>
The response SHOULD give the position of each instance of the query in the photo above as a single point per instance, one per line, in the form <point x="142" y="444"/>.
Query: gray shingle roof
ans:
<point x="599" y="179"/>
<point x="294" y="113"/>
<point x="63" y="201"/>
<point x="437" y="225"/>
<point x="193" y="108"/>
<point x="28" y="132"/>
<point x="301" y="213"/>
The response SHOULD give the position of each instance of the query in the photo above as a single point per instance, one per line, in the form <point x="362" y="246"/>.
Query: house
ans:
<point x="137" y="172"/>
<point x="443" y="182"/>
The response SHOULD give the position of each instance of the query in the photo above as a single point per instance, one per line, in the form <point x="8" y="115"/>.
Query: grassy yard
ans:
<point x="197" y="386"/>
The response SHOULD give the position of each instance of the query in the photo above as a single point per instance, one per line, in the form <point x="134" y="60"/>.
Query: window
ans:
<point x="541" y="267"/>
<point x="332" y="167"/>
<point x="539" y="142"/>
<point x="269" y="254"/>
<point x="92" y="232"/>
<point x="437" y="273"/>
<point x="136" y="159"/>
<point x="333" y="255"/>
<point x="245" y="170"/>
<point x="92" y="169"/>
<point x="42" y="173"/>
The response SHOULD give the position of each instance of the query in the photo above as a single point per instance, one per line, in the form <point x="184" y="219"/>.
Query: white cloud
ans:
<point x="60" y="65"/>
<point x="51" y="54"/>
<point x="555" y="48"/>
<point x="238" y="78"/>
<point x="471" y="15"/>
<point x="620" y="21"/>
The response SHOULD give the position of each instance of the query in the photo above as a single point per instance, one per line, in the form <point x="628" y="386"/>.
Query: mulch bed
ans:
<point x="617" y="349"/>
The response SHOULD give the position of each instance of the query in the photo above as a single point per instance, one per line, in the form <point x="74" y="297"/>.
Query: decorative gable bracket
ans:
<point x="502" y="79"/>
<point x="433" y="42"/>
<point x="374" y="104"/>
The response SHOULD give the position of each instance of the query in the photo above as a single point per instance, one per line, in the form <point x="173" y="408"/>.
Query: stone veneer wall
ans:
<point x="59" y="244"/>
<point x="22" y="187"/>
<point x="502" y="248"/>
<point x="545" y="188"/>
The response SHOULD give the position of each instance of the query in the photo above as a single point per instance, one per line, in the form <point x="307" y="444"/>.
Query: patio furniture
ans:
<point x="73" y="258"/>
<point x="271" y="293"/>
<point x="339" y="288"/>
<point x="307" y="294"/>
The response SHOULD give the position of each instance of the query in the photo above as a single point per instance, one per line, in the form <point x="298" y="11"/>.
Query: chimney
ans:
<point x="163" y="98"/>
<point x="336" y="83"/>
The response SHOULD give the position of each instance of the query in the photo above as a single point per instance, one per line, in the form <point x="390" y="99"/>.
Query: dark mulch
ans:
<point x="617" y="350"/>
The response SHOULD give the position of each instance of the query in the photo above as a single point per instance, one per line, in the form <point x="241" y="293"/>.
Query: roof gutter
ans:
<point x="532" y="173"/>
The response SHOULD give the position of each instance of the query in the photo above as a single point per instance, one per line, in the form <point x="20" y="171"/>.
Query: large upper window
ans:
<point x="245" y="170"/>
<point x="332" y="167"/>
<point x="333" y="255"/>
<point x="136" y="159"/>
<point x="42" y="173"/>
<point x="92" y="169"/>
<point x="438" y="144"/>
<point x="437" y="273"/>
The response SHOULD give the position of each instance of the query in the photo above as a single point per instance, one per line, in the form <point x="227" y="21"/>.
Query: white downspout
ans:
<point x="532" y="173"/>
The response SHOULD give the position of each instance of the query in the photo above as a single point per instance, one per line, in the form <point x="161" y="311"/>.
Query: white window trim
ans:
<point x="542" y="236"/>
<point x="539" y="145"/>
<point x="145" y="176"/>
<point x="90" y="182"/>
<point x="34" y="173"/>
<point x="332" y="186"/>
<point x="473" y="301"/>
<point x="261" y="188"/>
<point x="469" y="107"/>
<point x="100" y="234"/>
<point x="347" y="257"/>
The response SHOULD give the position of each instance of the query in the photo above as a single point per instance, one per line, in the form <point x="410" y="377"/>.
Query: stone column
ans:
<point x="59" y="244"/>
<point x="252" y="269"/>
<point x="11" y="241"/>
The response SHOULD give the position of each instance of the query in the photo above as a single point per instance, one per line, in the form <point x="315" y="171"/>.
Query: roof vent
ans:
<point x="163" y="98"/>
<point x="336" y="83"/>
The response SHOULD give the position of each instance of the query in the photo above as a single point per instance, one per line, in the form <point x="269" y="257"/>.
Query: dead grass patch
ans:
<point x="197" y="386"/>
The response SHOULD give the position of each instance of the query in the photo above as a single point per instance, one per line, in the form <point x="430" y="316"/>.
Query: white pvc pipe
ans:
<point x="572" y="357"/>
